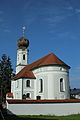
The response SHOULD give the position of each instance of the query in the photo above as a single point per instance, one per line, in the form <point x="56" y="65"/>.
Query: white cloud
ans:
<point x="7" y="30"/>
<point x="70" y="8"/>
<point x="73" y="10"/>
<point x="77" y="10"/>
<point x="55" y="19"/>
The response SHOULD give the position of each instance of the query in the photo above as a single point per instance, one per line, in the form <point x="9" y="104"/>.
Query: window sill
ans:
<point x="28" y="87"/>
<point x="40" y="92"/>
<point x="62" y="91"/>
<point x="28" y="98"/>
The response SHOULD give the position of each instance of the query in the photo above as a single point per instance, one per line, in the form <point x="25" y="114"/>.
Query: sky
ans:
<point x="52" y="26"/>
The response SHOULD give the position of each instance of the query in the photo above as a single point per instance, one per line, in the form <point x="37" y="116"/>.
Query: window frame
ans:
<point x="27" y="95"/>
<point x="61" y="85"/>
<point x="28" y="83"/>
<point x="40" y="85"/>
<point x="23" y="56"/>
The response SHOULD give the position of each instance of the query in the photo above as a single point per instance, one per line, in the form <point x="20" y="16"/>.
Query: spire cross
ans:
<point x="23" y="29"/>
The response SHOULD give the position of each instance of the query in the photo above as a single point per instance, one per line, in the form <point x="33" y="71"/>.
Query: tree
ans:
<point x="5" y="76"/>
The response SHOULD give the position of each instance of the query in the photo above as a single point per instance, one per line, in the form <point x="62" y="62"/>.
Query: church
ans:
<point x="45" y="79"/>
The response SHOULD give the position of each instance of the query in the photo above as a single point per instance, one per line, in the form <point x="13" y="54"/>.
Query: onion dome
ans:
<point x="23" y="42"/>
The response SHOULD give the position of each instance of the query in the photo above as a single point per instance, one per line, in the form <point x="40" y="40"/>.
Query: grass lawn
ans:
<point x="42" y="117"/>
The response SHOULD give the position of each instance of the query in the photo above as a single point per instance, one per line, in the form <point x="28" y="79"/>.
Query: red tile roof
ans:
<point x="13" y="101"/>
<point x="50" y="59"/>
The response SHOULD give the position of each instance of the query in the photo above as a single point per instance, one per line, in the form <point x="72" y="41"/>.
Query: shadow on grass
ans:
<point x="11" y="116"/>
<point x="14" y="117"/>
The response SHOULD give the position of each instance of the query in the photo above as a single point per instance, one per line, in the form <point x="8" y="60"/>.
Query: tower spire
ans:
<point x="22" y="52"/>
<point x="23" y="30"/>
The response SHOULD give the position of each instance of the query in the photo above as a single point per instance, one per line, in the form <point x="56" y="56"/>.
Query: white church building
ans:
<point x="44" y="79"/>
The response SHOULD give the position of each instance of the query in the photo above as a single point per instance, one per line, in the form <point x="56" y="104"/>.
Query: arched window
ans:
<point x="61" y="85"/>
<point x="28" y="95"/>
<point x="28" y="83"/>
<point x="41" y="85"/>
<point x="24" y="57"/>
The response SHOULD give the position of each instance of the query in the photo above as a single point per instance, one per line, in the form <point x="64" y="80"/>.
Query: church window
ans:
<point x="28" y="95"/>
<point x="61" y="68"/>
<point x="61" y="85"/>
<point x="24" y="57"/>
<point x="41" y="85"/>
<point x="28" y="83"/>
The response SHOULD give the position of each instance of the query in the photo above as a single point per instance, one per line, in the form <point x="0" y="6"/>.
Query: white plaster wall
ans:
<point x="77" y="96"/>
<point x="58" y="109"/>
<point x="19" y="68"/>
<point x="30" y="89"/>
<point x="20" y="61"/>
<point x="56" y="85"/>
<point x="16" y="88"/>
<point x="51" y="82"/>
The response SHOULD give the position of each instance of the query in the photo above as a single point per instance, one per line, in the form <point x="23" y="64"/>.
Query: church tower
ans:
<point x="22" y="53"/>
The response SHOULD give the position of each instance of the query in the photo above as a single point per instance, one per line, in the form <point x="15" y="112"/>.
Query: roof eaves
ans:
<point x="51" y="65"/>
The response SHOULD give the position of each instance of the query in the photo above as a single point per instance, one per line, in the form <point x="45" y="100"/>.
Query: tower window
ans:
<point x="24" y="57"/>
<point x="28" y="83"/>
<point x="41" y="85"/>
<point x="28" y="95"/>
<point x="61" y="85"/>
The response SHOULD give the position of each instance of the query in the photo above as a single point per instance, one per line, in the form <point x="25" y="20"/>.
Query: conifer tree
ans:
<point x="5" y="76"/>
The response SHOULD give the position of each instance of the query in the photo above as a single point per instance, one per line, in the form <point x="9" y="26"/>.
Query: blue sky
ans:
<point x="51" y="26"/>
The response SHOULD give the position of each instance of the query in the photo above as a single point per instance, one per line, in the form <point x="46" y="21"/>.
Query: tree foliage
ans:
<point x="5" y="75"/>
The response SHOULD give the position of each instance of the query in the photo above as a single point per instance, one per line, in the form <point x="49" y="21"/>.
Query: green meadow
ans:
<point x="42" y="117"/>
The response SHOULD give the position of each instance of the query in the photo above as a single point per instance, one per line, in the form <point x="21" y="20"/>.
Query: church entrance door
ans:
<point x="38" y="97"/>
